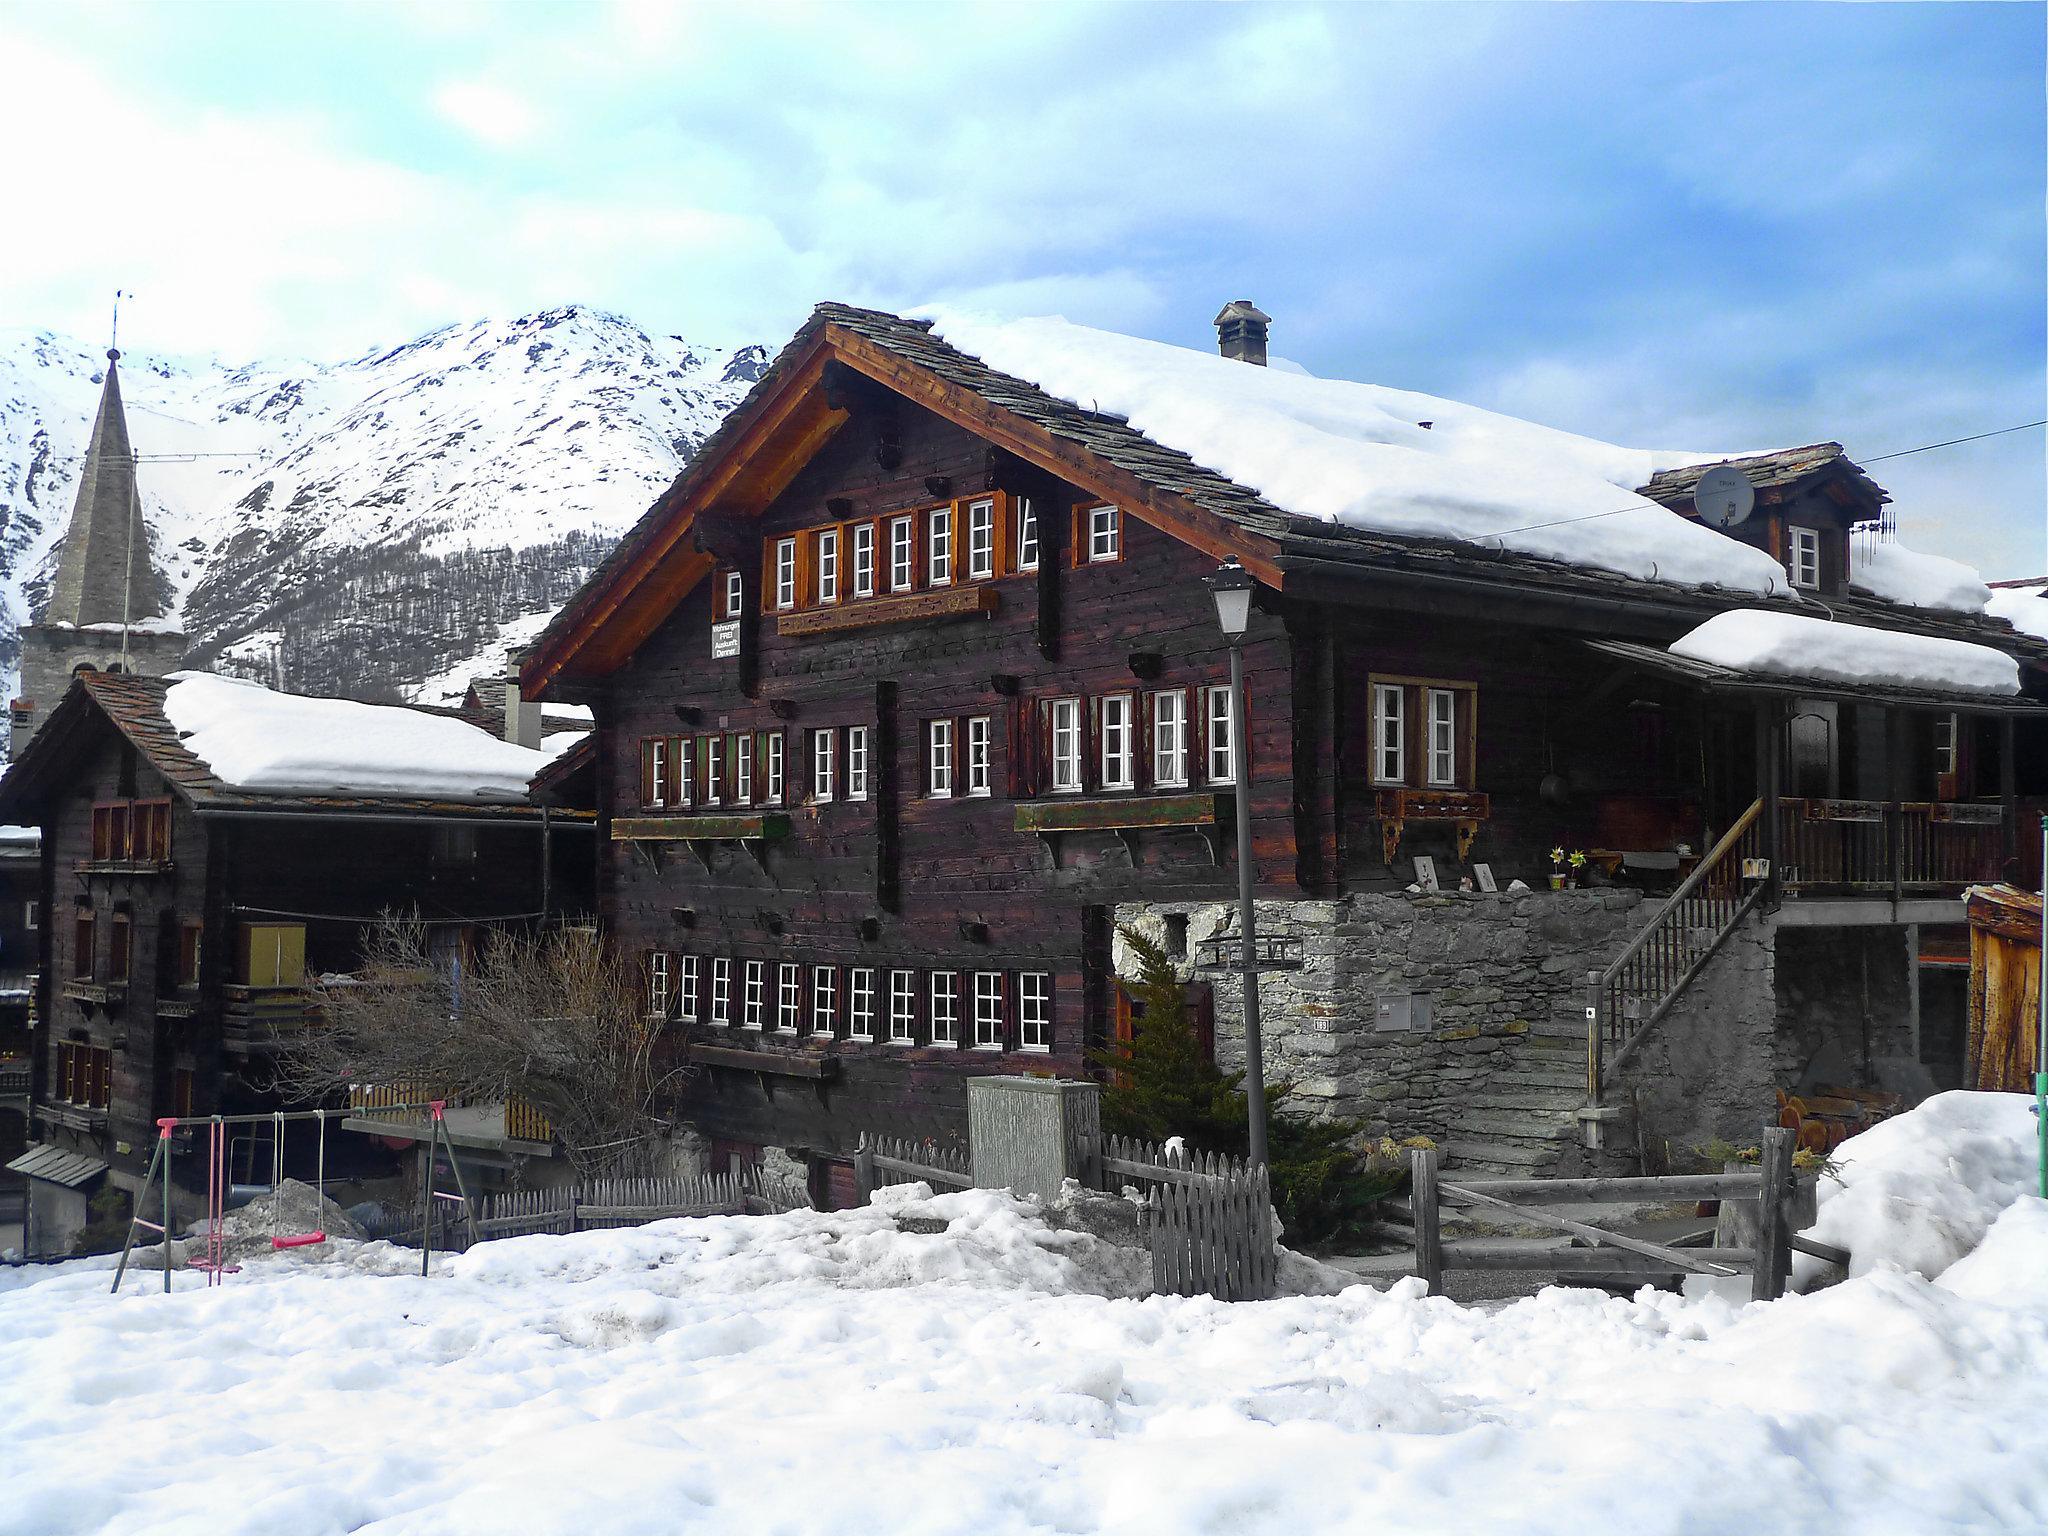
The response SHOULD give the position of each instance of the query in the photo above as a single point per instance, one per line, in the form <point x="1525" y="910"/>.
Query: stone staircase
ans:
<point x="1525" y="1119"/>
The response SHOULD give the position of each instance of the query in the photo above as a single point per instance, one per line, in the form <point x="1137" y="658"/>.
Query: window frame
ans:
<point x="943" y="986"/>
<point x="1169" y="738"/>
<point x="1069" y="706"/>
<point x="721" y="992"/>
<point x="1034" y="997"/>
<point x="984" y="539"/>
<point x="860" y="1002"/>
<point x="120" y="947"/>
<point x="1214" y="694"/>
<point x="856" y="764"/>
<point x="939" y="758"/>
<point x="824" y="1001"/>
<point x="84" y="943"/>
<point x="825" y="566"/>
<point x="979" y="757"/>
<point x="1389" y="715"/>
<point x="714" y="768"/>
<point x="754" y="997"/>
<point x="789" y="997"/>
<point x="1802" y="547"/>
<point x="902" y="1006"/>
<point x="940" y="557"/>
<point x="735" y="595"/>
<point x="903" y="553"/>
<point x="775" y="768"/>
<point x="1124" y="706"/>
<point x="1097" y="550"/>
<point x="743" y="768"/>
<point x="1434" y="753"/>
<point x="824" y="764"/>
<point x="689" y="997"/>
<point x="787" y="578"/>
<point x="864" y="582"/>
<point x="659" y="980"/>
<point x="990" y="1011"/>
<point x="1026" y="551"/>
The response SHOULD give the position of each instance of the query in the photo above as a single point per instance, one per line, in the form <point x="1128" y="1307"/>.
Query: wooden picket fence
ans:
<point x="604" y="1203"/>
<point x="1210" y="1219"/>
<point x="883" y="1160"/>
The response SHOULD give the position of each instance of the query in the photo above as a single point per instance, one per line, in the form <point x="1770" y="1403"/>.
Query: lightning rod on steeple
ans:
<point x="114" y="331"/>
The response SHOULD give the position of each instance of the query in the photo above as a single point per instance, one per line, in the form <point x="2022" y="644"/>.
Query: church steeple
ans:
<point x="103" y="574"/>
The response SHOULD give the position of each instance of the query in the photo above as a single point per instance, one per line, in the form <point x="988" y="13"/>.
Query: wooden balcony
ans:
<point x="502" y="1125"/>
<point x="258" y="1020"/>
<point x="124" y="866"/>
<point x="95" y="994"/>
<point x="1877" y="847"/>
<point x="91" y="1119"/>
<point x="1124" y="816"/>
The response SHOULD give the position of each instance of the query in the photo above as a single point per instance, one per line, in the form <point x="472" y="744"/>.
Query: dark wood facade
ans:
<point x="1401" y="703"/>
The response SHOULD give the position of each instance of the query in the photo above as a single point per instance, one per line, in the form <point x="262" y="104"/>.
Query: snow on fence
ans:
<point x="882" y="1160"/>
<point x="1210" y="1219"/>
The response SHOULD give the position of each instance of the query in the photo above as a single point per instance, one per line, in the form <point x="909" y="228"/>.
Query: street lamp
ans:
<point x="1232" y="587"/>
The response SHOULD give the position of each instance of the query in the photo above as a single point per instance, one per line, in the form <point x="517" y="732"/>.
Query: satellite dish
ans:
<point x="1724" y="496"/>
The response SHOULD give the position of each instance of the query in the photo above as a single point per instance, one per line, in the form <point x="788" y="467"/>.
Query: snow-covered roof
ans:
<point x="1901" y="575"/>
<point x="260" y="741"/>
<point x="1382" y="460"/>
<point x="2024" y="608"/>
<point x="1790" y="645"/>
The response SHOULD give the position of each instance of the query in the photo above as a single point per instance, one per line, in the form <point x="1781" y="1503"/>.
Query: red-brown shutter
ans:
<point x="647" y="770"/>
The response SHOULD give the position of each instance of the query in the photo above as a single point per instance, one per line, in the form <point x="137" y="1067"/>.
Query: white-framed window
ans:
<point x="1024" y="516"/>
<point x="735" y="594"/>
<point x="754" y="996"/>
<point x="743" y="768"/>
<point x="1105" y="534"/>
<point x="945" y="1008"/>
<point x="938" y="759"/>
<point x="785" y="573"/>
<point x="902" y="553"/>
<point x="824" y="765"/>
<point x="714" y="769"/>
<point x="1802" y="557"/>
<point x="721" y="990"/>
<point x="863" y="559"/>
<point x="988" y="1010"/>
<point x="1034" y="1010"/>
<point x="1944" y="751"/>
<point x="1170" y="739"/>
<point x="860" y="1003"/>
<point x="902" y="1007"/>
<point x="1119" y="741"/>
<point x="979" y="749"/>
<point x="658" y="983"/>
<point x="1065" y="719"/>
<point x="828" y="565"/>
<point x="938" y="564"/>
<point x="771" y="787"/>
<point x="32" y="915"/>
<point x="789" y="997"/>
<point x="685" y="749"/>
<point x="1389" y="733"/>
<point x="1222" y="723"/>
<point x="1443" y="736"/>
<point x="824" y="999"/>
<point x="856" y="762"/>
<point x="686" y="988"/>
<point x="657" y="772"/>
<point x="981" y="539"/>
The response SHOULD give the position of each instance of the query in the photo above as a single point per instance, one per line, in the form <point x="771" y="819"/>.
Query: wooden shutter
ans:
<point x="672" y="791"/>
<point x="647" y="770"/>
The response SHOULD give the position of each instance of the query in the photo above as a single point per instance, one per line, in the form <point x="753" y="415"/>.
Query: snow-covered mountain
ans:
<point x="365" y="526"/>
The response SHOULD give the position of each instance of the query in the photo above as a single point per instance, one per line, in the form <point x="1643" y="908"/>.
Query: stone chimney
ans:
<point x="522" y="720"/>
<point x="1241" y="331"/>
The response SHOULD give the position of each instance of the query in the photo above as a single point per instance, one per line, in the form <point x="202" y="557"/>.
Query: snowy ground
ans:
<point x="836" y="1373"/>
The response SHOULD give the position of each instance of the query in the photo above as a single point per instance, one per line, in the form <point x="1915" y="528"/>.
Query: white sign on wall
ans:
<point x="725" y="640"/>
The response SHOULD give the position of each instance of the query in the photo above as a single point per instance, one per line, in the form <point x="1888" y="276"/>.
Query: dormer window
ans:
<point x="1802" y="557"/>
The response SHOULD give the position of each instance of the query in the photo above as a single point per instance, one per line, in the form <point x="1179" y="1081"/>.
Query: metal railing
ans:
<point x="1635" y="991"/>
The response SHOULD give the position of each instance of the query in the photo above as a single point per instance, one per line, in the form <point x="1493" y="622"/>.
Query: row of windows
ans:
<point x="987" y="1010"/>
<point x="751" y="767"/>
<point x="131" y="831"/>
<point x="1422" y="733"/>
<point x="87" y="964"/>
<point x="85" y="1074"/>
<point x="979" y="538"/>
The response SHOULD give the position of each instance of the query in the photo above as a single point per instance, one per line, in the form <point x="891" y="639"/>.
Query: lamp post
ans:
<point x="1232" y="585"/>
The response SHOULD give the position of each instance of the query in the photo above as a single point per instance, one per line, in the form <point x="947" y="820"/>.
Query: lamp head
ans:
<point x="1232" y="586"/>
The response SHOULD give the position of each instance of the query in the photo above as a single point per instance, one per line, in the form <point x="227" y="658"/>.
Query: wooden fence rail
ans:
<point x="1210" y="1219"/>
<point x="884" y="1160"/>
<point x="1769" y="1262"/>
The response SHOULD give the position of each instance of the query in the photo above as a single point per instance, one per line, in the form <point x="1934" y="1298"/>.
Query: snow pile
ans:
<point x="261" y="741"/>
<point x="1901" y="575"/>
<point x="840" y="1374"/>
<point x="1921" y="1190"/>
<point x="1792" y="645"/>
<point x="1360" y="454"/>
<point x="2024" y="608"/>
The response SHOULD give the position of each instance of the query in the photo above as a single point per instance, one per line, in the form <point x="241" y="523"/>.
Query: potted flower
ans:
<point x="1557" y="869"/>
<point x="1578" y="866"/>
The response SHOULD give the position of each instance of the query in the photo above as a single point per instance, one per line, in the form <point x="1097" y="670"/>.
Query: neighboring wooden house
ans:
<point x="909" y="692"/>
<point x="207" y="846"/>
<point x="2005" y="989"/>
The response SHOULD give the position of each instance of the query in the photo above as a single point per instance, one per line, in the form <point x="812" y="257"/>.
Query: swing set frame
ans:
<point x="159" y="1176"/>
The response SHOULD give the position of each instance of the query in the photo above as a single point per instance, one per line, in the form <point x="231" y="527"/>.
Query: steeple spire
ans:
<point x="103" y="575"/>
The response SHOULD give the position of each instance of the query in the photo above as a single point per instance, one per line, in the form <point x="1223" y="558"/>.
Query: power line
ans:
<point x="1876" y="458"/>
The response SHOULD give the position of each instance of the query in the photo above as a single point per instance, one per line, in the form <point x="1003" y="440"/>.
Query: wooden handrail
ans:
<point x="1687" y="886"/>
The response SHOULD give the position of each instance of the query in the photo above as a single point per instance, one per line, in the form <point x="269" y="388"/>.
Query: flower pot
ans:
<point x="1557" y="882"/>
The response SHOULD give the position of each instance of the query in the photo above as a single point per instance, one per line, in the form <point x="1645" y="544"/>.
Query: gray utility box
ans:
<point x="1029" y="1134"/>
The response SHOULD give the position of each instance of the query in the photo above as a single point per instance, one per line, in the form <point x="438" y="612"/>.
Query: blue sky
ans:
<point x="1712" y="226"/>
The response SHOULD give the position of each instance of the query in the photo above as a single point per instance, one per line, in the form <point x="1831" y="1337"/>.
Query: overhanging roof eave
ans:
<point x="1709" y="678"/>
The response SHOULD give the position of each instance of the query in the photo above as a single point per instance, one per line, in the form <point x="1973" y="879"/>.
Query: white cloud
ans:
<point x="490" y="113"/>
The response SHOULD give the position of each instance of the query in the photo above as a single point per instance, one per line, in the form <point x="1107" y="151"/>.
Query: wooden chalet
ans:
<point x="184" y="912"/>
<point x="909" y="692"/>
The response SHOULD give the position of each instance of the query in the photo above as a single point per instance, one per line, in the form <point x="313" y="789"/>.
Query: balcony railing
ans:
<point x="395" y="1105"/>
<point x="1876" y="845"/>
<point x="264" y="1018"/>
